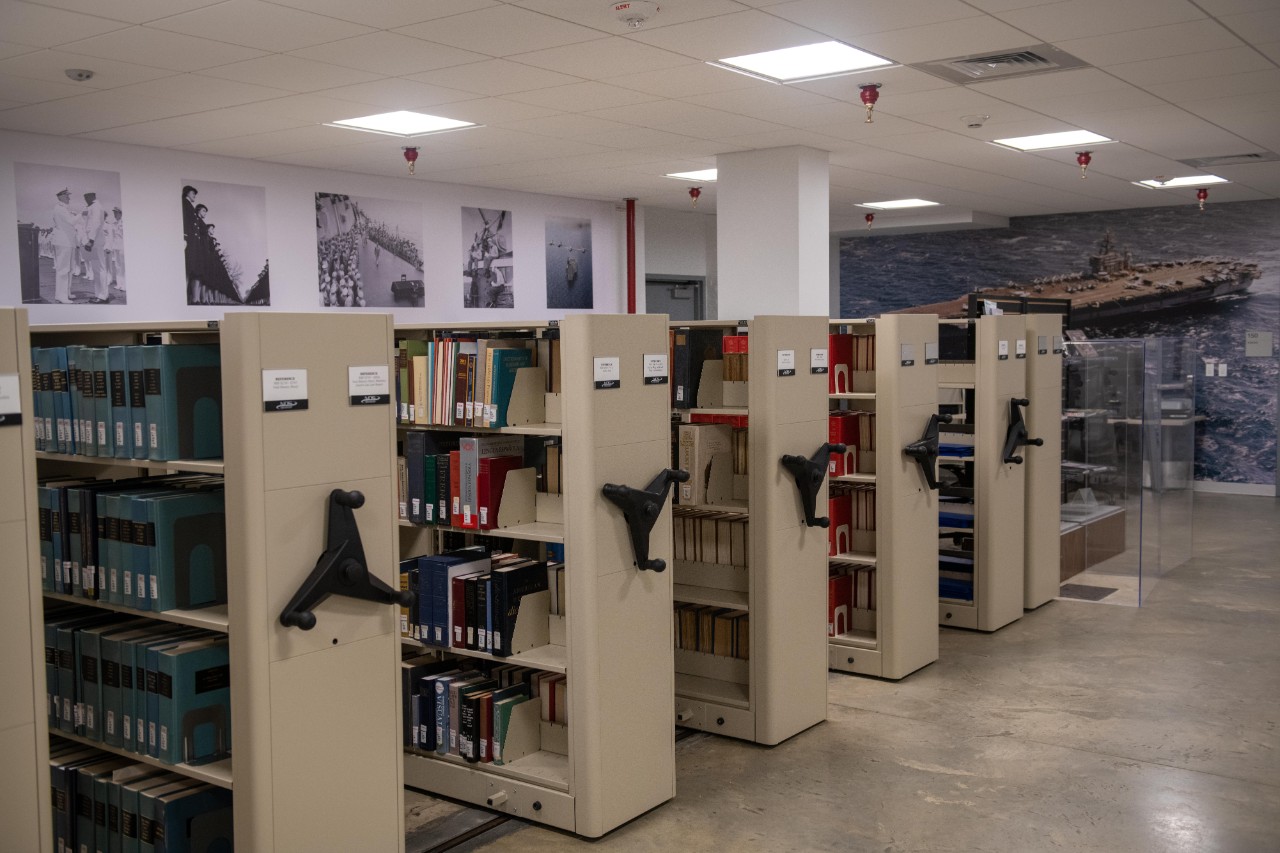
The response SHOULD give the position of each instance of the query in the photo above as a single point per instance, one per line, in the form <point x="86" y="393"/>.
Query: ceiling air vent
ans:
<point x="1020" y="62"/>
<point x="1210" y="163"/>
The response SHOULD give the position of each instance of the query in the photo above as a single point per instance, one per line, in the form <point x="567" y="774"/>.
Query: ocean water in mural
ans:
<point x="1237" y="441"/>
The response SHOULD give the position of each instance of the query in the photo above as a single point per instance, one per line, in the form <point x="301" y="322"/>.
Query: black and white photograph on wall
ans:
<point x="369" y="252"/>
<point x="224" y="227"/>
<point x="569" y="282"/>
<point x="70" y="235"/>
<point x="488" y="279"/>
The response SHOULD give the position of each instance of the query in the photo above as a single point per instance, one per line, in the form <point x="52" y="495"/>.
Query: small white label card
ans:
<point x="1020" y="348"/>
<point x="608" y="372"/>
<point x="907" y="355"/>
<point x="930" y="352"/>
<point x="284" y="390"/>
<point x="1042" y="344"/>
<point x="369" y="385"/>
<point x="10" y="400"/>
<point x="1210" y="368"/>
<point x="655" y="368"/>
<point x="1057" y="344"/>
<point x="1003" y="351"/>
<point x="1257" y="344"/>
<point x="818" y="360"/>
<point x="786" y="362"/>
<point x="1222" y="368"/>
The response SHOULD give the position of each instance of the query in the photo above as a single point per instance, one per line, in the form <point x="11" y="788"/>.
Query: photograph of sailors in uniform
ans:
<point x="488" y="263"/>
<point x="224" y="232"/>
<point x="368" y="252"/>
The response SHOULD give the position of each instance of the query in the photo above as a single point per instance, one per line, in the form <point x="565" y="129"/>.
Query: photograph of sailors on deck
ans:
<point x="369" y="252"/>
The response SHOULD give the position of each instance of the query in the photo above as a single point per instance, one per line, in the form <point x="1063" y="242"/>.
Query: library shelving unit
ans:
<point x="900" y="635"/>
<point x="780" y="689"/>
<point x="314" y="712"/>
<point x="982" y="512"/>
<point x="614" y="759"/>
<point x="1042" y="564"/>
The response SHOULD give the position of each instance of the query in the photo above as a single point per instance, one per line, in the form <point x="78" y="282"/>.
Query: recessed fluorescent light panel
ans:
<point x="806" y="62"/>
<point x="1065" y="139"/>
<point x="899" y="204"/>
<point x="402" y="123"/>
<point x="700" y="175"/>
<point x="1186" y="181"/>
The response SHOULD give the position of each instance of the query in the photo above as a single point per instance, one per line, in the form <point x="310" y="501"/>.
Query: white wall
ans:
<point x="682" y="243"/>
<point x="151" y="184"/>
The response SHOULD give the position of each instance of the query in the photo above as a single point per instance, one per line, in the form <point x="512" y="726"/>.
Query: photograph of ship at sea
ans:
<point x="1237" y="441"/>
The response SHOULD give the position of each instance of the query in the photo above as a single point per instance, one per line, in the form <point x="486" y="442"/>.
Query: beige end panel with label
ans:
<point x="788" y="559"/>
<point x="1043" y="464"/>
<point x="318" y="757"/>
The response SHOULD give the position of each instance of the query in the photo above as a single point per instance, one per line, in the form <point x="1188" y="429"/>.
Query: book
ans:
<point x="469" y="713"/>
<point x="103" y="433"/>
<point x="471" y="450"/>
<point x="415" y="444"/>
<point x="444" y="464"/>
<point x="137" y="402"/>
<point x="191" y="819"/>
<point x="491" y="480"/>
<point x="506" y="363"/>
<point x="194" y="702"/>
<point x="130" y="828"/>
<point x="438" y="572"/>
<point x="183" y="385"/>
<point x="188" y="566"/>
<point x="511" y="583"/>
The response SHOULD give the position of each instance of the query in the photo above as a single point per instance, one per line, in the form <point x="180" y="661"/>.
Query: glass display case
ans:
<point x="1128" y="444"/>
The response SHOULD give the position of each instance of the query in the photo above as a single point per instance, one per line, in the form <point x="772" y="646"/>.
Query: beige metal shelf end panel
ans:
<point x="1044" y="464"/>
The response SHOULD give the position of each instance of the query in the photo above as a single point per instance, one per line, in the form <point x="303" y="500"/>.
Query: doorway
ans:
<point x="680" y="297"/>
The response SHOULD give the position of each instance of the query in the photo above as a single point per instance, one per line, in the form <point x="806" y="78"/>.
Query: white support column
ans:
<point x="773" y="216"/>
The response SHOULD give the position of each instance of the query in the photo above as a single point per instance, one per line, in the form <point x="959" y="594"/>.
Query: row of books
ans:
<point x="955" y="576"/>
<point x="853" y="513"/>
<point x="707" y="536"/>
<point x="848" y="354"/>
<point x="150" y="543"/>
<point x="103" y="802"/>
<point x="153" y="688"/>
<point x="158" y="402"/>
<point x="464" y="707"/>
<point x="471" y="599"/>
<point x="734" y="350"/>
<point x="457" y="482"/>
<point x="857" y="432"/>
<point x="467" y="381"/>
<point x="847" y="592"/>
<point x="719" y="631"/>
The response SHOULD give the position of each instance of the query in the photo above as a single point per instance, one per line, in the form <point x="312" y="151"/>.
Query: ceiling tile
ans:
<point x="387" y="14"/>
<point x="782" y="138"/>
<point x="619" y="55"/>
<point x="581" y="97"/>
<point x="261" y="25"/>
<point x="189" y="129"/>
<point x="85" y="113"/>
<point x="51" y="65"/>
<point x="647" y="139"/>
<point x="397" y="94"/>
<point x="43" y="26"/>
<point x="9" y="49"/>
<point x="855" y="129"/>
<point x="564" y="124"/>
<point x="130" y="11"/>
<point x="1074" y="19"/>
<point x="897" y="80"/>
<point x="994" y="7"/>
<point x="692" y="78"/>
<point x="1264" y="83"/>
<point x="8" y="105"/>
<point x="162" y="49"/>
<point x="729" y="35"/>
<point x="1259" y="26"/>
<point x="1194" y="66"/>
<point x="1030" y="90"/>
<point x="501" y="31"/>
<point x="291" y="73"/>
<point x="1272" y="51"/>
<point x="756" y="102"/>
<point x="494" y="110"/>
<point x="847" y="21"/>
<point x="1235" y="7"/>
<point x="1173" y="40"/>
<point x="941" y="41"/>
<point x="276" y="142"/>
<point x="687" y="119"/>
<point x="30" y="90"/>
<point x="1076" y="109"/>
<point x="313" y="109"/>
<point x="601" y="16"/>
<point x="198" y="92"/>
<point x="390" y="54"/>
<point x="494" y="77"/>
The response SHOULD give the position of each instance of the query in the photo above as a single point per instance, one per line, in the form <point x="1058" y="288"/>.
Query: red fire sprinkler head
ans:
<point x="870" y="94"/>
<point x="870" y="217"/>
<point x="1084" y="158"/>
<point x="1201" y="195"/>
<point x="695" y="193"/>
<point x="410" y="157"/>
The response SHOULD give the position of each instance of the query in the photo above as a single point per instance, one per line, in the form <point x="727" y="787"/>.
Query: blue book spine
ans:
<point x="439" y="585"/>
<point x="110" y="712"/>
<point x="194" y="709"/>
<point x="128" y="695"/>
<point x="153" y="435"/>
<point x="137" y="402"/>
<point x="89" y="660"/>
<point x="134" y="591"/>
<point x="189" y="560"/>
<point x="102" y="431"/>
<point x="65" y="399"/>
<point x="118" y="392"/>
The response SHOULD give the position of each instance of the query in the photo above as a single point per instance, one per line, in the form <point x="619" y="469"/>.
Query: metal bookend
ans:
<point x="641" y="508"/>
<point x="925" y="451"/>
<point x="1016" y="436"/>
<point x="809" y="474"/>
<point x="341" y="569"/>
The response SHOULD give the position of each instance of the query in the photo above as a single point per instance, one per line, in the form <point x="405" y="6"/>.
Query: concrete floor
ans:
<point x="1079" y="727"/>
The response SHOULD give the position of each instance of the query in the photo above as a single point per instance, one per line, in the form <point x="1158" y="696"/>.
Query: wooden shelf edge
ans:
<point x="211" y="618"/>
<point x="549" y="658"/>
<point x="194" y="466"/>
<point x="215" y="773"/>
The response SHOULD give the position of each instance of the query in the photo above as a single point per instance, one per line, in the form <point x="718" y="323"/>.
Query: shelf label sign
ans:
<point x="818" y="360"/>
<point x="930" y="352"/>
<point x="369" y="385"/>
<point x="907" y="355"/>
<point x="284" y="390"/>
<point x="10" y="400"/>
<point x="1003" y="351"/>
<point x="786" y="362"/>
<point x="1042" y="345"/>
<point x="1057" y="344"/>
<point x="608" y="374"/>
<point x="1257" y="344"/>
<point x="1020" y="348"/>
<point x="655" y="368"/>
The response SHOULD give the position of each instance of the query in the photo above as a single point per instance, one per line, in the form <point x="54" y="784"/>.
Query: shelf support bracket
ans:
<point x="809" y="473"/>
<point x="641" y="508"/>
<point x="341" y="569"/>
<point x="925" y="451"/>
<point x="1016" y="436"/>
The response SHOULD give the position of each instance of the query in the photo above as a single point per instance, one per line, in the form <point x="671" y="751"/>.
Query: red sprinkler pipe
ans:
<point x="631" y="256"/>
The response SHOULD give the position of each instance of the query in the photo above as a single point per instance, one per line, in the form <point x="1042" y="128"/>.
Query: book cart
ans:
<point x="771" y="684"/>
<point x="613" y="757"/>
<point x="1043" y="463"/>
<point x="313" y="712"/>
<point x="888" y="630"/>
<point x="982" y="494"/>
